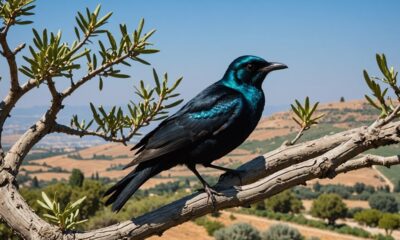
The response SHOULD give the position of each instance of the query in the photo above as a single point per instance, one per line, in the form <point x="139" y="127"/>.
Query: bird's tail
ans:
<point x="126" y="187"/>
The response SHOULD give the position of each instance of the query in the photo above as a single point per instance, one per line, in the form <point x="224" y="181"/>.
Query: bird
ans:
<point x="205" y="129"/>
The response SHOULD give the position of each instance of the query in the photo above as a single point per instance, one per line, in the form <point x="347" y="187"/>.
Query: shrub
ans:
<point x="352" y="211"/>
<point x="302" y="192"/>
<point x="209" y="225"/>
<point x="284" y="202"/>
<point x="282" y="232"/>
<point x="355" y="231"/>
<point x="329" y="206"/>
<point x="359" y="187"/>
<point x="383" y="237"/>
<point x="384" y="202"/>
<point x="340" y="190"/>
<point x="239" y="231"/>
<point x="365" y="195"/>
<point x="369" y="217"/>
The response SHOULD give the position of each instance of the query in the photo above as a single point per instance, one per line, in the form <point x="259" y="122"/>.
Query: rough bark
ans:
<point x="264" y="176"/>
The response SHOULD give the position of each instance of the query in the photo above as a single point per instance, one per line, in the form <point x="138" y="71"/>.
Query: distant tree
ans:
<point x="342" y="99"/>
<point x="35" y="182"/>
<point x="187" y="182"/>
<point x="389" y="222"/>
<point x="369" y="217"/>
<point x="76" y="179"/>
<point x="238" y="231"/>
<point x="397" y="187"/>
<point x="317" y="187"/>
<point x="260" y="205"/>
<point x="281" y="232"/>
<point x="359" y="187"/>
<point x="329" y="206"/>
<point x="97" y="176"/>
<point x="284" y="202"/>
<point x="384" y="202"/>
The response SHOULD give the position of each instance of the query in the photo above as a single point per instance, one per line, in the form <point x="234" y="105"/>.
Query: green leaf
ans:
<point x="96" y="115"/>
<point x="148" y="51"/>
<point x="295" y="110"/>
<point x="173" y="104"/>
<point x="103" y="20"/>
<point x="307" y="105"/>
<point x="23" y="22"/>
<point x="26" y="72"/>
<point x="119" y="75"/>
<point x="140" y="60"/>
<point x="140" y="27"/>
<point x="371" y="102"/>
<point x="78" y="202"/>
<point x="42" y="204"/>
<point x="111" y="39"/>
<point x="100" y="83"/>
<point x="47" y="200"/>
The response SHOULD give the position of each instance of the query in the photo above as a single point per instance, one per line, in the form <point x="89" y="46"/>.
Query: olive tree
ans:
<point x="49" y="60"/>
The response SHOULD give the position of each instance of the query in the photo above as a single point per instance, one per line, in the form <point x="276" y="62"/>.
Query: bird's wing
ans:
<point x="205" y="115"/>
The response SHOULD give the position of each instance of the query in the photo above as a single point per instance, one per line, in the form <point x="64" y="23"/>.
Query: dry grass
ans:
<point x="185" y="231"/>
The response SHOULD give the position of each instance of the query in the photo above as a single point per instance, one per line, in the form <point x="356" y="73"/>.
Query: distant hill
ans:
<point x="107" y="160"/>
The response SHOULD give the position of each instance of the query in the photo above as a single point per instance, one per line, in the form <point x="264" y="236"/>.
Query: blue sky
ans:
<point x="326" y="44"/>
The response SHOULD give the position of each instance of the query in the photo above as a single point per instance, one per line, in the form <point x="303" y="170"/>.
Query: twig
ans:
<point x="368" y="161"/>
<point x="386" y="120"/>
<point x="60" y="128"/>
<point x="298" y="136"/>
<point x="10" y="56"/>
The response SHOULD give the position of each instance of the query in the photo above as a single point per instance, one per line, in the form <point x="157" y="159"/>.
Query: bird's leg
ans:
<point x="209" y="190"/>
<point x="228" y="171"/>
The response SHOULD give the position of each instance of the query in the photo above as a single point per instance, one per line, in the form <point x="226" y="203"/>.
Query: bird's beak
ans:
<point x="273" y="66"/>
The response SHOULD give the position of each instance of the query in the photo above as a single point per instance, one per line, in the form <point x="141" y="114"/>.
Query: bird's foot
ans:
<point x="233" y="173"/>
<point x="211" y="193"/>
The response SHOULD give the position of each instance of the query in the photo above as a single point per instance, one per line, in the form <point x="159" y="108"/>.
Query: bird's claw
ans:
<point x="211" y="193"/>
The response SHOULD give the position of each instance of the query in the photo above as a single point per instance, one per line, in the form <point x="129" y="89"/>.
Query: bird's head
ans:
<point x="251" y="70"/>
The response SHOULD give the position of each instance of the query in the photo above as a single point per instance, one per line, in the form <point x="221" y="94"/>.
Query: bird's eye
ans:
<point x="250" y="67"/>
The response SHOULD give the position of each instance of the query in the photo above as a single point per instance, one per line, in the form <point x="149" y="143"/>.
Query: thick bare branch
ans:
<point x="33" y="135"/>
<point x="326" y="165"/>
<point x="263" y="177"/>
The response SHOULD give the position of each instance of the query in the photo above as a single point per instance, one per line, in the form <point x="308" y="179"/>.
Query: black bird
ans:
<point x="208" y="127"/>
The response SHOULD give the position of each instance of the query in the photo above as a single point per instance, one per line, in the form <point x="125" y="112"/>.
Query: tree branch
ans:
<point x="60" y="128"/>
<point x="368" y="161"/>
<point x="264" y="176"/>
<point x="10" y="56"/>
<point x="197" y="205"/>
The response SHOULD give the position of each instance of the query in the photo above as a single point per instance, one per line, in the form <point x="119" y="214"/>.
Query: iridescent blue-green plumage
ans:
<point x="208" y="127"/>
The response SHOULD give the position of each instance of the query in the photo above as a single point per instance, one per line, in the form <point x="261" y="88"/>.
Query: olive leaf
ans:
<point x="66" y="218"/>
<point x="304" y="113"/>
